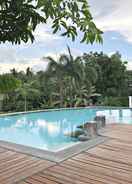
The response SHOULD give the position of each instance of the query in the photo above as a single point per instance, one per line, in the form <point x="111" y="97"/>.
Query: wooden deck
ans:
<point x="16" y="166"/>
<point x="107" y="163"/>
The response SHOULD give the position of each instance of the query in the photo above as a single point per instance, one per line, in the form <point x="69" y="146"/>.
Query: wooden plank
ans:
<point x="98" y="172"/>
<point x="2" y="149"/>
<point x="112" y="155"/>
<point x="68" y="178"/>
<point x="12" y="161"/>
<point x="110" y="162"/>
<point x="122" y="132"/>
<point x="23" y="170"/>
<point x="17" y="166"/>
<point x="42" y="179"/>
<point x="84" y="176"/>
<point x="118" y="145"/>
<point x="107" y="163"/>
<point x="6" y="156"/>
<point x="24" y="182"/>
<point x="103" y="162"/>
<point x="33" y="181"/>
<point x="54" y="178"/>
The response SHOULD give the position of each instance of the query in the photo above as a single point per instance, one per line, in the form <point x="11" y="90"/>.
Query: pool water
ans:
<point x="49" y="130"/>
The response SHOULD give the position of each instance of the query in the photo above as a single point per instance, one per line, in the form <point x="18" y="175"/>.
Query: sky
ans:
<point x="113" y="17"/>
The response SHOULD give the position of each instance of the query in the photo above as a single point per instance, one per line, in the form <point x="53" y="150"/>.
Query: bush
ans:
<point x="116" y="101"/>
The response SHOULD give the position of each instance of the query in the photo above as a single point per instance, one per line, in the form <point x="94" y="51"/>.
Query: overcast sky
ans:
<point x="114" y="17"/>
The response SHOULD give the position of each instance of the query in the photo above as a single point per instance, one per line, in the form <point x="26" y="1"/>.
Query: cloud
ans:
<point x="35" y="64"/>
<point x="129" y="65"/>
<point x="28" y="55"/>
<point x="113" y="16"/>
<point x="111" y="53"/>
<point x="9" y="59"/>
<point x="7" y="55"/>
<point x="114" y="38"/>
<point x="39" y="65"/>
<point x="75" y="52"/>
<point x="101" y="8"/>
<point x="44" y="34"/>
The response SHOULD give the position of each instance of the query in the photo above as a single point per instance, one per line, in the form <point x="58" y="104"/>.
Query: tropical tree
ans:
<point x="65" y="69"/>
<point x="7" y="84"/>
<point x="19" y="19"/>
<point x="29" y="72"/>
<point x="82" y="97"/>
<point x="13" y="72"/>
<point x="25" y="90"/>
<point x="129" y="82"/>
<point x="57" y="70"/>
<point x="69" y="81"/>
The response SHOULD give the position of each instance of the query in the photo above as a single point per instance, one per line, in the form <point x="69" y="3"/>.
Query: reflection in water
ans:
<point x="120" y="113"/>
<point x="131" y="112"/>
<point x="117" y="116"/>
<point x="47" y="134"/>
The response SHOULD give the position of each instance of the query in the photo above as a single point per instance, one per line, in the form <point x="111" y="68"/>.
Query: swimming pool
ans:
<point x="48" y="130"/>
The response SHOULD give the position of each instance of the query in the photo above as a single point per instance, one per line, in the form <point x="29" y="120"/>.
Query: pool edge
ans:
<point x="58" y="156"/>
<point x="60" y="109"/>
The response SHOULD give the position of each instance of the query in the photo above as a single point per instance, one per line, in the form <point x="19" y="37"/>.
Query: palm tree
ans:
<point x="13" y="72"/>
<point x="29" y="72"/>
<point x="83" y="77"/>
<point x="75" y="72"/>
<point x="70" y="76"/>
<point x="82" y="97"/>
<point x="57" y="71"/>
<point x="7" y="84"/>
<point x="25" y="90"/>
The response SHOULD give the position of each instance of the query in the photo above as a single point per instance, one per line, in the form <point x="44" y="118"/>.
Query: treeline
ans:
<point x="91" y="79"/>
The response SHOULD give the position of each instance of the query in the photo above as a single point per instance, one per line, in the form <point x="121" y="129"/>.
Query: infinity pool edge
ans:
<point x="57" y="156"/>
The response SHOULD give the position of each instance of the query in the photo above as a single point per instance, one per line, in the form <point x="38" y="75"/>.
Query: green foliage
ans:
<point x="129" y="82"/>
<point x="24" y="92"/>
<point x="8" y="83"/>
<point x="112" y="75"/>
<point x="19" y="19"/>
<point x="115" y="101"/>
<point x="68" y="82"/>
<point x="70" y="16"/>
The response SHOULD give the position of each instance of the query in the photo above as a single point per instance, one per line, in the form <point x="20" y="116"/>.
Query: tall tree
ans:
<point x="19" y="19"/>
<point x="8" y="83"/>
<point x="57" y="70"/>
<point x="111" y="80"/>
<point x="25" y="90"/>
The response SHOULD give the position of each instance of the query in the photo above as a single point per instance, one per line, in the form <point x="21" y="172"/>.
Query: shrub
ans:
<point x="116" y="101"/>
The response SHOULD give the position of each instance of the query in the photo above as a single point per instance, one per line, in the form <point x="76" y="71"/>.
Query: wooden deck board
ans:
<point x="16" y="166"/>
<point x="107" y="163"/>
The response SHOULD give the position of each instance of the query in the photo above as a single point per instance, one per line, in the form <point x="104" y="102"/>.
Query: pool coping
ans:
<point x="58" y="156"/>
<point x="59" y="109"/>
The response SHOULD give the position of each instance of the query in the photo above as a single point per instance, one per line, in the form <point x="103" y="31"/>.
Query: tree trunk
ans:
<point x="61" y="93"/>
<point x="71" y="96"/>
<point x="25" y="103"/>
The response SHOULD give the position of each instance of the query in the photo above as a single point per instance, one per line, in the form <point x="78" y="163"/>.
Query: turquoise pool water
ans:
<point x="48" y="130"/>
